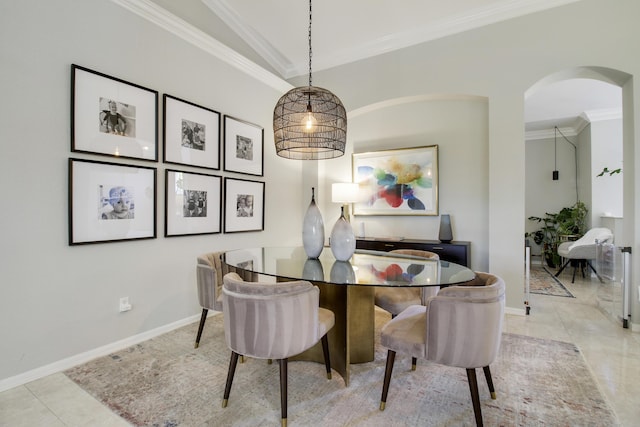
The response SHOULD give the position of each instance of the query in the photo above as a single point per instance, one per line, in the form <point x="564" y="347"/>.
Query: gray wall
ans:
<point x="59" y="302"/>
<point x="458" y="126"/>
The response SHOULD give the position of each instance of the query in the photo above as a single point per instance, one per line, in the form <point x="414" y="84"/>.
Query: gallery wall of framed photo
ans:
<point x="116" y="200"/>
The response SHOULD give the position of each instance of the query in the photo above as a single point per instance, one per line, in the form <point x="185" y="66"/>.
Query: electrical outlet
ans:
<point x="124" y="304"/>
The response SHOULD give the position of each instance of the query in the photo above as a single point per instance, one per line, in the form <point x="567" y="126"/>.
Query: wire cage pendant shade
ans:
<point x="293" y="137"/>
<point x="309" y="123"/>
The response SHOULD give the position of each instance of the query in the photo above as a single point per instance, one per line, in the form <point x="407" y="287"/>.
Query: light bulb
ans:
<point x="309" y="122"/>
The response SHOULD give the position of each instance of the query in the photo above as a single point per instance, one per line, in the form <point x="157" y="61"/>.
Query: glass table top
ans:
<point x="367" y="268"/>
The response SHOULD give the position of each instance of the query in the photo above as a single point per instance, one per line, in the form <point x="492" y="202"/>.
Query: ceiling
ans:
<point x="347" y="31"/>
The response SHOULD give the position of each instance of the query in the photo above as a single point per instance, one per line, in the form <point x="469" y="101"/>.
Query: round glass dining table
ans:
<point x="347" y="289"/>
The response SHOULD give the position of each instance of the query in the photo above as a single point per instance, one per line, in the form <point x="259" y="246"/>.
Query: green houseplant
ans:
<point x="569" y="221"/>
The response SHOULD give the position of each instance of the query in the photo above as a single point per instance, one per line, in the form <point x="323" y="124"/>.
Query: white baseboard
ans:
<point x="78" y="359"/>
<point x="515" y="311"/>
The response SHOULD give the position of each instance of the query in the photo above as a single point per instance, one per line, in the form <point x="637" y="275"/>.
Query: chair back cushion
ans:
<point x="416" y="253"/>
<point x="270" y="320"/>
<point x="464" y="323"/>
<point x="209" y="273"/>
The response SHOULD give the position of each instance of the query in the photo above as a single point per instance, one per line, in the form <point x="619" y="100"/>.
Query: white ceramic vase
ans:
<point x="343" y="241"/>
<point x="313" y="229"/>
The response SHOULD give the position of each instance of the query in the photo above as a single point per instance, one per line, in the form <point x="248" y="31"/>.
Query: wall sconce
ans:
<point x="345" y="193"/>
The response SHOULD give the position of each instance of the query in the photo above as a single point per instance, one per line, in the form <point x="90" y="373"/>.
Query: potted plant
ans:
<point x="569" y="221"/>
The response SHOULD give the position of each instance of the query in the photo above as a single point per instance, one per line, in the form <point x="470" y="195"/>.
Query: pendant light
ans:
<point x="309" y="122"/>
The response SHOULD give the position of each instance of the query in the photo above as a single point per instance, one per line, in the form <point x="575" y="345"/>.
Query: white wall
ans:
<point x="458" y="126"/>
<point x="607" y="191"/>
<point x="58" y="301"/>
<point x="543" y="194"/>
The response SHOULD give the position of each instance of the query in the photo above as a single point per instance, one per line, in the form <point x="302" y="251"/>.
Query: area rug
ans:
<point x="166" y="382"/>
<point x="542" y="281"/>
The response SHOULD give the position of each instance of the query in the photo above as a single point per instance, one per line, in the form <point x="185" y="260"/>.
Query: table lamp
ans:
<point x="345" y="193"/>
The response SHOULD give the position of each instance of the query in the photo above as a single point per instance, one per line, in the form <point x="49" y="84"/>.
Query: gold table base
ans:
<point x="351" y="340"/>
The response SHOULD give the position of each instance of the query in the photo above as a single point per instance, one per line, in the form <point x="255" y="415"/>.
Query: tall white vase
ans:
<point x="343" y="241"/>
<point x="313" y="229"/>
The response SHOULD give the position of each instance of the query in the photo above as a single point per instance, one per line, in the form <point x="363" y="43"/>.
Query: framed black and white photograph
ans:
<point x="110" y="202"/>
<point x="243" y="205"/>
<point x="193" y="203"/>
<point x="243" y="147"/>
<point x="191" y="134"/>
<point x="112" y="117"/>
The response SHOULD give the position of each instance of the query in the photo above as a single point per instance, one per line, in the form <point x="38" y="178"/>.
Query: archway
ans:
<point x="592" y="136"/>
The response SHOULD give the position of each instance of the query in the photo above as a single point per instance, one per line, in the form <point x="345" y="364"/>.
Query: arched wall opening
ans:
<point x="610" y="199"/>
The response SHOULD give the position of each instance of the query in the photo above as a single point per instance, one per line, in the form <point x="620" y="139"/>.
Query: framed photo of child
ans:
<point x="192" y="203"/>
<point x="110" y="202"/>
<point x="112" y="117"/>
<point x="243" y="205"/>
<point x="191" y="133"/>
<point x="243" y="147"/>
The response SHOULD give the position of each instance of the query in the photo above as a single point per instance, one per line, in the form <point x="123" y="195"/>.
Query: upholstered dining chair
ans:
<point x="582" y="251"/>
<point x="396" y="299"/>
<point x="461" y="327"/>
<point x="209" y="273"/>
<point x="273" y="321"/>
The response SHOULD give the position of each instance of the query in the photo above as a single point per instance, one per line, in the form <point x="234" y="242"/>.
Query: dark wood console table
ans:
<point x="456" y="251"/>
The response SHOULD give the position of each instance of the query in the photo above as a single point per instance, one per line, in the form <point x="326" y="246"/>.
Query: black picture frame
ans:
<point x="193" y="203"/>
<point x="110" y="202"/>
<point x="112" y="117"/>
<point x="244" y="205"/>
<point x="191" y="133"/>
<point x="243" y="147"/>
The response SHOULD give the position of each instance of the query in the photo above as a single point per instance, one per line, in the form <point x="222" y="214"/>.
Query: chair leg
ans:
<point x="391" y="357"/>
<point x="475" y="397"/>
<point x="573" y="278"/>
<point x="414" y="363"/>
<point x="203" y="319"/>
<point x="562" y="268"/>
<point x="325" y="352"/>
<point x="594" y="270"/>
<point x="487" y="375"/>
<point x="283" y="391"/>
<point x="232" y="370"/>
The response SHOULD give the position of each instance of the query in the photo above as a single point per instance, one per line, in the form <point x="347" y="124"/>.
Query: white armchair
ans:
<point x="580" y="252"/>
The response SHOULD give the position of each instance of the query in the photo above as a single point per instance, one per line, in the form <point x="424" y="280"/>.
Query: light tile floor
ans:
<point x="611" y="352"/>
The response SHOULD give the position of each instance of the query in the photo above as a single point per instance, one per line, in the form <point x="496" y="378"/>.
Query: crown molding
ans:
<point x="251" y="37"/>
<point x="580" y="123"/>
<point x="472" y="19"/>
<point x="602" y="114"/>
<point x="169" y="22"/>
<point x="548" y="133"/>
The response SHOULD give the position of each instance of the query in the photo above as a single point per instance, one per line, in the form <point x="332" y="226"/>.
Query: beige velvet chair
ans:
<point x="396" y="299"/>
<point x="582" y="251"/>
<point x="461" y="327"/>
<point x="209" y="273"/>
<point x="273" y="321"/>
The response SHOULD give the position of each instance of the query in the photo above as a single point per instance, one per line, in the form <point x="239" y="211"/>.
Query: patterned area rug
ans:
<point x="543" y="282"/>
<point x="166" y="382"/>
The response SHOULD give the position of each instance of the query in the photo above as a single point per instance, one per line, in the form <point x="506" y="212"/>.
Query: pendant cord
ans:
<point x="310" y="52"/>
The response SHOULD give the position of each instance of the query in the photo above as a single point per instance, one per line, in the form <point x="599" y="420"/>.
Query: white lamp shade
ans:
<point x="344" y="192"/>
